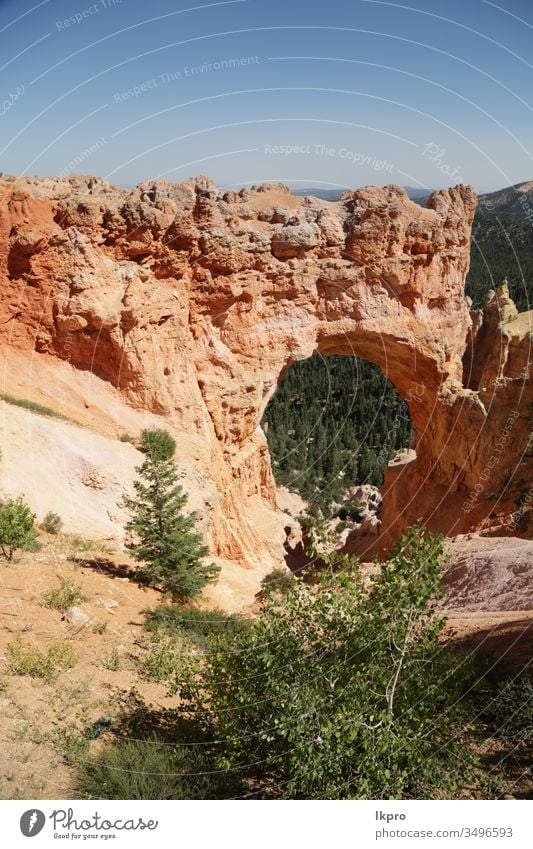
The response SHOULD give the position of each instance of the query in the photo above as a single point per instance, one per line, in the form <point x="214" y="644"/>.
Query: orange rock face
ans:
<point x="193" y="304"/>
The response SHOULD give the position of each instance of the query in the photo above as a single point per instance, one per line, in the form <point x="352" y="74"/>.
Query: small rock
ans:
<point x="5" y="703"/>
<point x="293" y="240"/>
<point x="110" y="604"/>
<point x="77" y="616"/>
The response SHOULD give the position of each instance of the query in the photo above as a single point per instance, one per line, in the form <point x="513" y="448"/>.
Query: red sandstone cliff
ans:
<point x="192" y="304"/>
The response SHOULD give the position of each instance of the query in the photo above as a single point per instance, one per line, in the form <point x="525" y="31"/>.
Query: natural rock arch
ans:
<point x="194" y="304"/>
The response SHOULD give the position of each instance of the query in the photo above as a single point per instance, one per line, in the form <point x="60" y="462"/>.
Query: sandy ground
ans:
<point x="504" y="636"/>
<point x="41" y="720"/>
<point x="38" y="717"/>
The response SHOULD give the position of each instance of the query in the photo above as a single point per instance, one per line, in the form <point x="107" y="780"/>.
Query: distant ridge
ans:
<point x="515" y="200"/>
<point x="323" y="194"/>
<point x="418" y="195"/>
<point x="334" y="194"/>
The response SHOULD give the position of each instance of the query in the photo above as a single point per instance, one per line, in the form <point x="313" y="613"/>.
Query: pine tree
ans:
<point x="167" y="545"/>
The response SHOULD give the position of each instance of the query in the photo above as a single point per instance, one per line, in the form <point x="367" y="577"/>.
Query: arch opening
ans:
<point x="332" y="427"/>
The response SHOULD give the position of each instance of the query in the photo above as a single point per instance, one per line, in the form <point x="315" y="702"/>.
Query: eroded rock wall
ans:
<point x="193" y="304"/>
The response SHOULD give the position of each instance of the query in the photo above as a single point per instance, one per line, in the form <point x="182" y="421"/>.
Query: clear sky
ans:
<point x="336" y="93"/>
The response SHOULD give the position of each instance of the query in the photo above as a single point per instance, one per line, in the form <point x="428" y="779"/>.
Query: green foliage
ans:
<point x="341" y="692"/>
<point x="25" y="659"/>
<point x="508" y="707"/>
<point x="171" y="551"/>
<point x="125" y="437"/>
<point x="333" y="422"/>
<point x="112" y="661"/>
<point x="81" y="544"/>
<point x="73" y="745"/>
<point x="33" y="545"/>
<point x="157" y="443"/>
<point x="316" y="534"/>
<point x="278" y="581"/>
<point x="350" y="511"/>
<point x="32" y="406"/>
<point x="52" y="523"/>
<point x="68" y="594"/>
<point x="165" y="660"/>
<point x="153" y="769"/>
<point x="199" y="626"/>
<point x="16" y="526"/>
<point x="100" y="628"/>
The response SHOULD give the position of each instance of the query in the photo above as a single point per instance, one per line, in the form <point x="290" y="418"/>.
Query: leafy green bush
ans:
<point x="508" y="707"/>
<point x="152" y="769"/>
<point x="158" y="443"/>
<point x="198" y="625"/>
<point x="277" y="581"/>
<point x="16" y="526"/>
<point x="52" y="523"/>
<point x="26" y="659"/>
<point x="166" y="660"/>
<point x="68" y="594"/>
<point x="125" y="437"/>
<point x="338" y="691"/>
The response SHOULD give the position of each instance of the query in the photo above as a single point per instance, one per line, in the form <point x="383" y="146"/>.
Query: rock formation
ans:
<point x="192" y="304"/>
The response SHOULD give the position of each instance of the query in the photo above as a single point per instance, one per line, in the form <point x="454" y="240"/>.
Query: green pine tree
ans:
<point x="171" y="551"/>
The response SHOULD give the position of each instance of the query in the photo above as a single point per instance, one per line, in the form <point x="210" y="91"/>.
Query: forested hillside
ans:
<point x="517" y="199"/>
<point x="502" y="246"/>
<point x="333" y="422"/>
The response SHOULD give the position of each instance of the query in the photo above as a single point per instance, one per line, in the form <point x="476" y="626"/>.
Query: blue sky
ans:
<point x="343" y="93"/>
